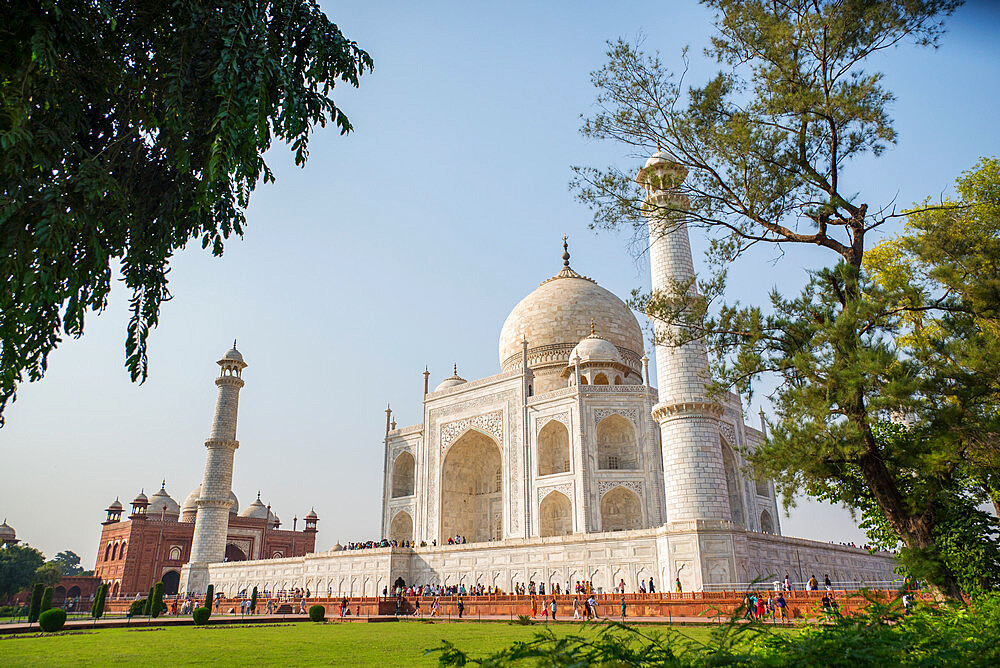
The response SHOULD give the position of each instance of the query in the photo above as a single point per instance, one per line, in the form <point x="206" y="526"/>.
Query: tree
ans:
<point x="46" y="599"/>
<point x="156" y="604"/>
<point x="18" y="564"/>
<point x="765" y="145"/>
<point x="68" y="562"/>
<point x="100" y="600"/>
<point x="128" y="129"/>
<point x="209" y="598"/>
<point x="48" y="574"/>
<point x="148" y="608"/>
<point x="35" y="607"/>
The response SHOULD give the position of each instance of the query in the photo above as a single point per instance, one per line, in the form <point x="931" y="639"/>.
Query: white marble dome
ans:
<point x="451" y="381"/>
<point x="190" y="507"/>
<point x="161" y="499"/>
<point x="233" y="355"/>
<point x="256" y="510"/>
<point x="7" y="531"/>
<point x="595" y="349"/>
<point x="558" y="314"/>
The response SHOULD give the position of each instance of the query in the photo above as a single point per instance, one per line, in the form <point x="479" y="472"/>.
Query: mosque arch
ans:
<point x="583" y="380"/>
<point x="73" y="592"/>
<point x="121" y="552"/>
<point x="59" y="594"/>
<point x="766" y="524"/>
<point x="107" y="552"/>
<point x="762" y="487"/>
<point x="175" y="553"/>
<point x="600" y="379"/>
<point x="553" y="448"/>
<point x="618" y="380"/>
<point x="234" y="553"/>
<point x="621" y="510"/>
<point x="171" y="582"/>
<point x="116" y="589"/>
<point x="616" y="444"/>
<point x="402" y="475"/>
<point x="555" y="515"/>
<point x="732" y="484"/>
<point x="401" y="527"/>
<point x="114" y="552"/>
<point x="470" y="498"/>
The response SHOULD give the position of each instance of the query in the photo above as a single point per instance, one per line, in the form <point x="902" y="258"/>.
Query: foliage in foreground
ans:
<point x="52" y="620"/>
<point x="201" y="615"/>
<point x="881" y="636"/>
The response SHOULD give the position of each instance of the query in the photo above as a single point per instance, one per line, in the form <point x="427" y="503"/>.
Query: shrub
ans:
<point x="36" y="603"/>
<point x="99" y="601"/>
<point x="46" y="600"/>
<point x="317" y="613"/>
<point x="136" y="607"/>
<point x="149" y="603"/>
<point x="524" y="620"/>
<point x="156" y="607"/>
<point x="210" y="598"/>
<point x="201" y="616"/>
<point x="52" y="620"/>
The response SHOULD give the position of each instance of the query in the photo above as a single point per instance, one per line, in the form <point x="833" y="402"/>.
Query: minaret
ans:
<point x="211" y="524"/>
<point x="693" y="472"/>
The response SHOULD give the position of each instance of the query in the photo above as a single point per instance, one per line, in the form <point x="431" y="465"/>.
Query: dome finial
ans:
<point x="593" y="330"/>
<point x="565" y="255"/>
<point x="454" y="368"/>
<point x="234" y="344"/>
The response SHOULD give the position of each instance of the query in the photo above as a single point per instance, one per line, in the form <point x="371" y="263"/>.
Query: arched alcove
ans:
<point x="600" y="379"/>
<point x="401" y="527"/>
<point x="234" y="553"/>
<point x="733" y="484"/>
<point x="556" y="515"/>
<point x="616" y="444"/>
<point x="766" y="524"/>
<point x="402" y="475"/>
<point x="114" y="552"/>
<point x="470" y="498"/>
<point x="621" y="509"/>
<point x="553" y="448"/>
<point x="171" y="581"/>
<point x="762" y="487"/>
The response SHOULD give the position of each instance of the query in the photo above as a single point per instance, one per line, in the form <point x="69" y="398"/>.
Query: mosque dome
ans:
<point x="6" y="531"/>
<point x="140" y="498"/>
<point x="311" y="515"/>
<point x="233" y="355"/>
<point x="190" y="507"/>
<point x="557" y="316"/>
<point x="115" y="505"/>
<point x="451" y="381"/>
<point x="256" y="510"/>
<point x="337" y="547"/>
<point x="595" y="349"/>
<point x="161" y="499"/>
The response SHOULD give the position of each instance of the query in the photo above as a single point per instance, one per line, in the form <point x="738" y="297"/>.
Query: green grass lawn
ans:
<point x="355" y="644"/>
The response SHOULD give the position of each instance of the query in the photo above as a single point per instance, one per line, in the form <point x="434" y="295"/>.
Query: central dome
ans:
<point x="557" y="316"/>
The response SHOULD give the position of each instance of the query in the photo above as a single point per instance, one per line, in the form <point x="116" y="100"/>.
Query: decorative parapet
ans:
<point x="664" y="411"/>
<point x="627" y="413"/>
<point x="491" y="423"/>
<point x="605" y="486"/>
<point x="473" y="384"/>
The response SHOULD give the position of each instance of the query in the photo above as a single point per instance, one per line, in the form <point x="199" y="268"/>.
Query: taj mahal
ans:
<point x="567" y="465"/>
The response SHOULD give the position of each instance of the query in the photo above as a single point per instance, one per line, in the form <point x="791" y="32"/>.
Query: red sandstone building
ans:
<point x="154" y="542"/>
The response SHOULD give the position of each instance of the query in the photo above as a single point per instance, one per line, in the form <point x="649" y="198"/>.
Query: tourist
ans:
<point x="642" y="586"/>
<point x="788" y="583"/>
<point x="576" y="607"/>
<point x="813" y="584"/>
<point x="545" y="610"/>
<point x="343" y="606"/>
<point x="534" y="607"/>
<point x="416" y="606"/>
<point x="782" y="607"/>
<point x="827" y="583"/>
<point x="302" y="606"/>
<point x="461" y="607"/>
<point x="652" y="589"/>
<point x="621" y="587"/>
<point x="552" y="604"/>
<point x="623" y="608"/>
<point x="677" y="585"/>
<point x="435" y="607"/>
<point x="592" y="604"/>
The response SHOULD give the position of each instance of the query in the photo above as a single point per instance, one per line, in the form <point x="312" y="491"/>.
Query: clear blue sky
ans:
<point x="408" y="243"/>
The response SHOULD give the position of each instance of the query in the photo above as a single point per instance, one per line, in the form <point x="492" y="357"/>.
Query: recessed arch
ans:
<point x="402" y="475"/>
<point x="470" y="500"/>
<point x="553" y="448"/>
<point x="618" y="380"/>
<point x="732" y="484"/>
<point x="766" y="524"/>
<point x="601" y="379"/>
<point x="114" y="552"/>
<point x="621" y="510"/>
<point x="762" y="487"/>
<point x="401" y="527"/>
<point x="121" y="552"/>
<point x="175" y="553"/>
<point x="107" y="552"/>
<point x="74" y="592"/>
<point x="235" y="553"/>
<point x="555" y="515"/>
<point x="616" y="444"/>
<point x="583" y="380"/>
<point x="171" y="582"/>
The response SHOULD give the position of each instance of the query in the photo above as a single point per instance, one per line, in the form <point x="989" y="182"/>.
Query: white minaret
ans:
<point x="211" y="524"/>
<point x="693" y="472"/>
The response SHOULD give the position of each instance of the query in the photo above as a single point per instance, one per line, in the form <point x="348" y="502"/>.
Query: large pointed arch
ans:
<point x="401" y="527"/>
<point x="553" y="448"/>
<point x="733" y="484"/>
<point x="471" y="499"/>
<point x="617" y="447"/>
<point x="555" y="515"/>
<point x="403" y="469"/>
<point x="621" y="510"/>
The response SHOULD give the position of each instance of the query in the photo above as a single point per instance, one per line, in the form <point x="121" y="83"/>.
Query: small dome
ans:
<point x="233" y="355"/>
<point x="595" y="349"/>
<point x="115" y="505"/>
<point x="161" y="499"/>
<point x="140" y="498"/>
<point x="311" y="515"/>
<point x="6" y="531"/>
<point x="451" y="381"/>
<point x="337" y="548"/>
<point x="256" y="510"/>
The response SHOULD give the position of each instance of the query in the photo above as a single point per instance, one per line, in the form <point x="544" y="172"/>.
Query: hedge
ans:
<point x="52" y="620"/>
<point x="317" y="613"/>
<point x="156" y="607"/>
<point x="201" y="616"/>
<point x="99" y="601"/>
<point x="136" y="607"/>
<point x="46" y="600"/>
<point x="36" y="603"/>
<point x="210" y="598"/>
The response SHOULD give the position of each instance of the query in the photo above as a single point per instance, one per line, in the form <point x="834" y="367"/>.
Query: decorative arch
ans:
<point x="732" y="484"/>
<point x="402" y="475"/>
<point x="115" y="589"/>
<point x="766" y="523"/>
<point x="235" y="553"/>
<point x="175" y="553"/>
<point x="121" y="552"/>
<point x="601" y="379"/>
<point x="74" y="592"/>
<point x="616" y="444"/>
<point x="553" y="448"/>
<point x="107" y="552"/>
<point x="762" y="487"/>
<point x="171" y="582"/>
<point x="618" y="380"/>
<point x="114" y="552"/>
<point x="470" y="500"/>
<point x="555" y="515"/>
<point x="621" y="510"/>
<point x="401" y="527"/>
